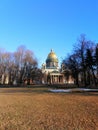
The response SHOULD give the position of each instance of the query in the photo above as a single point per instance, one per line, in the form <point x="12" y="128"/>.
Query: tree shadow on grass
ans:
<point x="89" y="94"/>
<point x="23" y="90"/>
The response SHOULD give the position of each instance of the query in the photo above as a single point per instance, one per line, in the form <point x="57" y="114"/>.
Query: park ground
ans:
<point x="38" y="109"/>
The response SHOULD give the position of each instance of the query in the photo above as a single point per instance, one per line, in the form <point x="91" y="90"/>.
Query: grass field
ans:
<point x="38" y="109"/>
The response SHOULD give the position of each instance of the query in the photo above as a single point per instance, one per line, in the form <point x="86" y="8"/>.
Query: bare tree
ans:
<point x="19" y="62"/>
<point x="96" y="61"/>
<point x="72" y="67"/>
<point x="17" y="67"/>
<point x="4" y="66"/>
<point x="90" y="66"/>
<point x="81" y="48"/>
<point x="36" y="75"/>
<point x="25" y="61"/>
<point x="30" y="62"/>
<point x="81" y="62"/>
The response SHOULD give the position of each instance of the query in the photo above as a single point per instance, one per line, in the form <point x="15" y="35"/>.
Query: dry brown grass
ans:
<point x="37" y="109"/>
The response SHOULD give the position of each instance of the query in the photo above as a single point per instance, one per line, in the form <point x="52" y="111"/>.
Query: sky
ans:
<point x="42" y="25"/>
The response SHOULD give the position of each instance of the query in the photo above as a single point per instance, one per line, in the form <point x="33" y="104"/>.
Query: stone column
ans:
<point x="58" y="78"/>
<point x="51" y="79"/>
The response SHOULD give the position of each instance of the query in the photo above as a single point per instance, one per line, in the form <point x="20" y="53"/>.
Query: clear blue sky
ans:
<point x="44" y="24"/>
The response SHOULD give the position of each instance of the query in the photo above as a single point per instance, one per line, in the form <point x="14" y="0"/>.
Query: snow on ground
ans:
<point x="60" y="90"/>
<point x="73" y="90"/>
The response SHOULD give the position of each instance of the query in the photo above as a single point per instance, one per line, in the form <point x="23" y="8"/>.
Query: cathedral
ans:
<point x="51" y="71"/>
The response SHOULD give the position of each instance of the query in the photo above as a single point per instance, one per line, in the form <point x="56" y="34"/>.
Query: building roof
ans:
<point x="52" y="57"/>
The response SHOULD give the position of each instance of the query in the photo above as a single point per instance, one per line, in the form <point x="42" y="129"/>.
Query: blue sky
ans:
<point x="44" y="24"/>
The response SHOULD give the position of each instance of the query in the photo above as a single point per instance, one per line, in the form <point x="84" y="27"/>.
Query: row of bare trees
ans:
<point x="82" y="63"/>
<point x="18" y="67"/>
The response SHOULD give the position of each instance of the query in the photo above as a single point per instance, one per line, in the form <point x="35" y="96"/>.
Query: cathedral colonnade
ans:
<point x="55" y="79"/>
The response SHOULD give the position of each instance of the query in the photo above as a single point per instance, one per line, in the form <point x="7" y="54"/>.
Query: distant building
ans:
<point x="51" y="71"/>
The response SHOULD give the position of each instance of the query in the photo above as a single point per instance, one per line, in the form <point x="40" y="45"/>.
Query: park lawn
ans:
<point x="38" y="109"/>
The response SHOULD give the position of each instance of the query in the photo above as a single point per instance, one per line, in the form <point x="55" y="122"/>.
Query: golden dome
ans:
<point x="52" y="57"/>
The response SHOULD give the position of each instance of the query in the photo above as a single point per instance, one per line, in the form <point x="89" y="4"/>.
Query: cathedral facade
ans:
<point x="51" y="72"/>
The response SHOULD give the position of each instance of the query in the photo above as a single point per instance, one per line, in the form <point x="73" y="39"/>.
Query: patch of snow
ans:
<point x="86" y="89"/>
<point x="60" y="90"/>
<point x="73" y="90"/>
